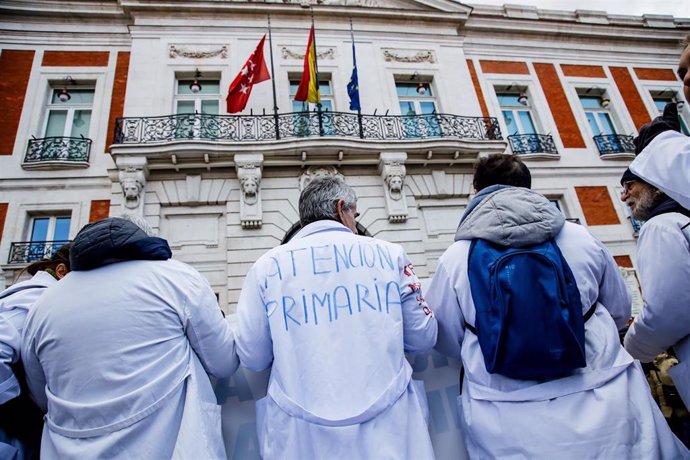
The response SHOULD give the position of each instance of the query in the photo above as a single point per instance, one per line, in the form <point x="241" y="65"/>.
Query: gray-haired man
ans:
<point x="334" y="312"/>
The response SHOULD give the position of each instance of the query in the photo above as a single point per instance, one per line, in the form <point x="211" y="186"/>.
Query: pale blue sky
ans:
<point x="677" y="8"/>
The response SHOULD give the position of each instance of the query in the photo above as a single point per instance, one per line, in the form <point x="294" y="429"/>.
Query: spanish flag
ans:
<point x="308" y="89"/>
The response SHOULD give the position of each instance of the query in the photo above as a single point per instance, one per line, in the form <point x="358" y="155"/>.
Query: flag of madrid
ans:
<point x="253" y="72"/>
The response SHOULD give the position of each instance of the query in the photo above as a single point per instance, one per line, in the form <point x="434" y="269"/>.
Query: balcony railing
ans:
<point x="58" y="149"/>
<point x="253" y="128"/>
<point x="30" y="251"/>
<point x="532" y="143"/>
<point x="614" y="143"/>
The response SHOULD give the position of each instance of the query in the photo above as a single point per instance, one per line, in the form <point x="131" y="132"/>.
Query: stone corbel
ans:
<point x="132" y="174"/>
<point x="392" y="169"/>
<point x="249" y="167"/>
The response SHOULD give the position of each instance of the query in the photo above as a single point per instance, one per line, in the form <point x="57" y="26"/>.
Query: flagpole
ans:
<point x="359" y="109"/>
<point x="273" y="80"/>
<point x="316" y="70"/>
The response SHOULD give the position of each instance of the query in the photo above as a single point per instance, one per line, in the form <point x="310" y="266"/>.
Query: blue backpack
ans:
<point x="529" y="318"/>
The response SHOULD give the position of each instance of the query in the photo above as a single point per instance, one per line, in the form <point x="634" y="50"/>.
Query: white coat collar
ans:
<point x="41" y="279"/>
<point x="321" y="226"/>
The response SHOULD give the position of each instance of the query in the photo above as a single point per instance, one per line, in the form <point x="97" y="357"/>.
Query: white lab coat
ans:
<point x="334" y="312"/>
<point x="665" y="163"/>
<point x="602" y="411"/>
<point x="663" y="260"/>
<point x="15" y="303"/>
<point x="119" y="357"/>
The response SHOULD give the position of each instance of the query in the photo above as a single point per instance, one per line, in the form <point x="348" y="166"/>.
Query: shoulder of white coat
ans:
<point x="457" y="250"/>
<point x="671" y="222"/>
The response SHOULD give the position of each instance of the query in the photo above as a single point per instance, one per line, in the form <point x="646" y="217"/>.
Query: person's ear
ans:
<point x="340" y="210"/>
<point x="61" y="270"/>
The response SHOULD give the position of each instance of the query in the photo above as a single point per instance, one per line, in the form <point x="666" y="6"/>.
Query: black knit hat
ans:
<point x="628" y="175"/>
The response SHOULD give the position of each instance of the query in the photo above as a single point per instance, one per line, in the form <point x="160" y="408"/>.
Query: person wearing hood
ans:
<point x="662" y="151"/>
<point x="118" y="353"/>
<point x="659" y="195"/>
<point x="603" y="409"/>
<point x="21" y="422"/>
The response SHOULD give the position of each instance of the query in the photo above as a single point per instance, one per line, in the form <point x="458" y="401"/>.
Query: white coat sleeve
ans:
<point x="10" y="342"/>
<point x="665" y="163"/>
<point x="35" y="379"/>
<point x="664" y="261"/>
<point x="613" y="293"/>
<point x="209" y="334"/>
<point x="451" y="323"/>
<point x="254" y="343"/>
<point x="419" y="324"/>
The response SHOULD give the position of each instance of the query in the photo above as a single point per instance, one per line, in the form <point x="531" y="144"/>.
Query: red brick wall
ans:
<point x="597" y="205"/>
<point x="477" y="88"/>
<point x="75" y="59"/>
<point x="655" y="74"/>
<point x="15" y="70"/>
<point x="117" y="101"/>
<point x="623" y="261"/>
<point x="633" y="101"/>
<point x="560" y="108"/>
<point x="592" y="71"/>
<point x="100" y="209"/>
<point x="504" y="67"/>
<point x="3" y="215"/>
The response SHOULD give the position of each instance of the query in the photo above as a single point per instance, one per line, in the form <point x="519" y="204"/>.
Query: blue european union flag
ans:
<point x="353" y="84"/>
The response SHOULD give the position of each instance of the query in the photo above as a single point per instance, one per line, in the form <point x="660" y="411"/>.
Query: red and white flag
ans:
<point x="253" y="72"/>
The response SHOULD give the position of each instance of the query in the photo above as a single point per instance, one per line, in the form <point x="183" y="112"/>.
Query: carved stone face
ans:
<point x="395" y="183"/>
<point x="130" y="188"/>
<point x="250" y="185"/>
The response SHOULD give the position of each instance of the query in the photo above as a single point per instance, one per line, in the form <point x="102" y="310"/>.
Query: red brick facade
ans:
<point x="477" y="88"/>
<point x="15" y="69"/>
<point x="631" y="96"/>
<point x="3" y="215"/>
<point x="504" y="67"/>
<point x="100" y="209"/>
<point x="591" y="71"/>
<point x="75" y="59"/>
<point x="117" y="102"/>
<point x="597" y="206"/>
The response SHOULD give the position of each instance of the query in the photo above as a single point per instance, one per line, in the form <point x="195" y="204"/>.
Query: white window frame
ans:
<point x="294" y="77"/>
<point x="652" y="91"/>
<point x="198" y="97"/>
<point x="67" y="106"/>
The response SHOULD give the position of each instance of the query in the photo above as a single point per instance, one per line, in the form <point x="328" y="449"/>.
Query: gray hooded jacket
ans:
<point x="510" y="216"/>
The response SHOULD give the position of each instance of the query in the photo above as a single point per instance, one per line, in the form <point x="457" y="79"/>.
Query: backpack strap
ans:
<point x="585" y="317"/>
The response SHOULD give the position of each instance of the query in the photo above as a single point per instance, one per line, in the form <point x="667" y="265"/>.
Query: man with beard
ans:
<point x="663" y="250"/>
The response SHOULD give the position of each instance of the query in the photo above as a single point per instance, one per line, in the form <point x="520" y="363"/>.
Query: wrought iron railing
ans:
<point x="74" y="149"/>
<point x="252" y="128"/>
<point x="532" y="143"/>
<point x="614" y="143"/>
<point x="23" y="252"/>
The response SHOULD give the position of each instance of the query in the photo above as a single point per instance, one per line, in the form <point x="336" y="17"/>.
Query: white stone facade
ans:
<point x="221" y="203"/>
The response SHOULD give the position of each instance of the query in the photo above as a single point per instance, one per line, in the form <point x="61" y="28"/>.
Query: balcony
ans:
<point x="257" y="128"/>
<point x="57" y="152"/>
<point x="24" y="252"/>
<point x="527" y="144"/>
<point x="613" y="144"/>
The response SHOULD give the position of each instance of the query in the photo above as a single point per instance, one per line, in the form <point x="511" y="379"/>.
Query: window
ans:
<point x="516" y="113"/>
<point x="47" y="234"/>
<point x="418" y="109"/>
<point x="302" y="121"/>
<point x="71" y="118"/>
<point x="661" y="99"/>
<point x="191" y="109"/>
<point x="598" y="114"/>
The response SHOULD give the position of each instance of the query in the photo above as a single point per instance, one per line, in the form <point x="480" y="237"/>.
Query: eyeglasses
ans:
<point x="627" y="185"/>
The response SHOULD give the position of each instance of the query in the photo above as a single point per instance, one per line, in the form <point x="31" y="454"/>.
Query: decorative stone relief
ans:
<point x="392" y="169"/>
<point x="409" y="56"/>
<point x="132" y="176"/>
<point x="249" y="167"/>
<point x="176" y="51"/>
<point x="292" y="54"/>
<point x="316" y="171"/>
